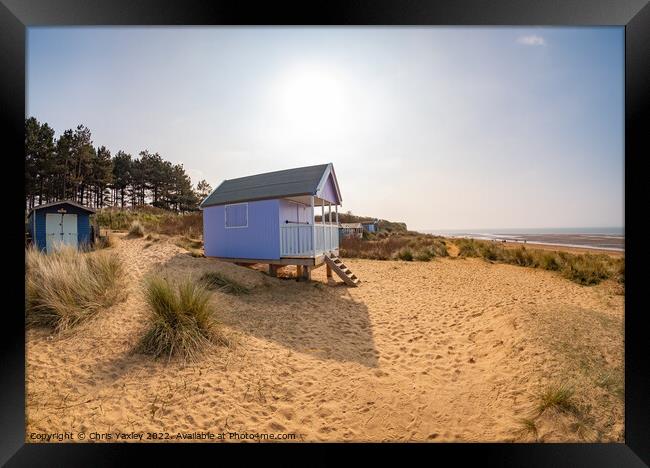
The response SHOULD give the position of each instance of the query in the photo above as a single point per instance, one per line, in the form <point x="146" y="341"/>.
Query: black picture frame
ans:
<point x="634" y="15"/>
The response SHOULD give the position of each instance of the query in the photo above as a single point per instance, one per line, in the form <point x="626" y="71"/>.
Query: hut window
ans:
<point x="236" y="215"/>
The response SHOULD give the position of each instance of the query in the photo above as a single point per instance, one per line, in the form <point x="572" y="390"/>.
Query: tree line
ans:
<point x="70" y="167"/>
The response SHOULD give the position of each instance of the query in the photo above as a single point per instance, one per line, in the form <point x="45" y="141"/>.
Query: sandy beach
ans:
<point x="448" y="350"/>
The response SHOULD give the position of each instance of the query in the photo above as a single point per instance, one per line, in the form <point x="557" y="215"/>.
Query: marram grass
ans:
<point x="68" y="286"/>
<point x="180" y="321"/>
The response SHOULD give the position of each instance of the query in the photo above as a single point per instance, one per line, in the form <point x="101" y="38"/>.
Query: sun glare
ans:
<point x="311" y="99"/>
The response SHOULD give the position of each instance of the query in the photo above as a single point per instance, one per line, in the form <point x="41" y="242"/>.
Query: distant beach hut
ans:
<point x="60" y="223"/>
<point x="370" y="226"/>
<point x="270" y="218"/>
<point x="351" y="230"/>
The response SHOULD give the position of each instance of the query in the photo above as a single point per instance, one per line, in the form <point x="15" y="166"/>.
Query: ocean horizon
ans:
<point x="601" y="238"/>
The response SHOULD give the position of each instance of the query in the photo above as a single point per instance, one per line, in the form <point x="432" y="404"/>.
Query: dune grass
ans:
<point x="136" y="229"/>
<point x="395" y="246"/>
<point x="558" y="397"/>
<point x="105" y="242"/>
<point x="67" y="287"/>
<point x="180" y="322"/>
<point x="216" y="281"/>
<point x="586" y="269"/>
<point x="153" y="220"/>
<point x="193" y="246"/>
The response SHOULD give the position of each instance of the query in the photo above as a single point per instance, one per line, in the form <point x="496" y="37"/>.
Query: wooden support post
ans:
<point x="313" y="227"/>
<point x="329" y="209"/>
<point x="306" y="273"/>
<point x="273" y="270"/>
<point x="328" y="270"/>
<point x="298" y="272"/>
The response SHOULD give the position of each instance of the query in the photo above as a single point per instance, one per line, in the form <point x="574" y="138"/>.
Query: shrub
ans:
<point x="216" y="281"/>
<point x="405" y="254"/>
<point x="136" y="229"/>
<point x="153" y="220"/>
<point x="467" y="248"/>
<point x="585" y="269"/>
<point x="181" y="322"/>
<point x="549" y="261"/>
<point x="489" y="251"/>
<point x="521" y="257"/>
<point x="621" y="271"/>
<point x="67" y="287"/>
<point x="423" y="255"/>
<point x="385" y="246"/>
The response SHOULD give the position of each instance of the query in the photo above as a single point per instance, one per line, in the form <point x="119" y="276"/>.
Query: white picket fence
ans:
<point x="297" y="240"/>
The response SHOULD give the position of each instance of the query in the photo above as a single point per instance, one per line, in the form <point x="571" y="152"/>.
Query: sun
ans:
<point x="311" y="99"/>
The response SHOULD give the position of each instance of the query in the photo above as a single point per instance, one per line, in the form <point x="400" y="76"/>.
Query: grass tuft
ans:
<point x="193" y="246"/>
<point x="216" y="281"/>
<point x="558" y="397"/>
<point x="67" y="287"/>
<point x="104" y="242"/>
<point x="181" y="322"/>
<point x="136" y="229"/>
<point x="528" y="426"/>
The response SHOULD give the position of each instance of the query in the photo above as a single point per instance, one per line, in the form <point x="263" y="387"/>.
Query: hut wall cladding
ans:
<point x="83" y="224"/>
<point x="294" y="212"/>
<point x="260" y="239"/>
<point x="329" y="191"/>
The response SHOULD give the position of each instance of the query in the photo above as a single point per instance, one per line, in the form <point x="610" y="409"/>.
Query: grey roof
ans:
<point x="62" y="202"/>
<point x="286" y="183"/>
<point x="351" y="225"/>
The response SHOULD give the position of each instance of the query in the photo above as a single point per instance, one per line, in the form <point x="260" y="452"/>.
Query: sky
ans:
<point x="441" y="128"/>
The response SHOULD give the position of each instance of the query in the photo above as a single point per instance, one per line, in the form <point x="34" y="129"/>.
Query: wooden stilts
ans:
<point x="328" y="271"/>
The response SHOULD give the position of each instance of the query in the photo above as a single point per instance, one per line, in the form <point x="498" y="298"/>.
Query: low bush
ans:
<point x="404" y="246"/>
<point x="586" y="269"/>
<point x="405" y="254"/>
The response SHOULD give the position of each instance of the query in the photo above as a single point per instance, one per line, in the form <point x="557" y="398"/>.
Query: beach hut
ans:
<point x="271" y="218"/>
<point x="351" y="230"/>
<point x="370" y="226"/>
<point x="59" y="223"/>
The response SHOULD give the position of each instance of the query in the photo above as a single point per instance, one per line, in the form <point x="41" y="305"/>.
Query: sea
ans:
<point x="600" y="238"/>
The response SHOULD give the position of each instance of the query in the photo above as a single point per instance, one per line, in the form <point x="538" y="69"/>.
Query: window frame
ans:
<point x="225" y="216"/>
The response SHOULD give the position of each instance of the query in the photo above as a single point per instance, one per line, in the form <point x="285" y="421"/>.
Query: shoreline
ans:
<point x="551" y="244"/>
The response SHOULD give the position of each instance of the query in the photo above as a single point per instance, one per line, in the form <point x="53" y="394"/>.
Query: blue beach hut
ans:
<point x="270" y="218"/>
<point x="60" y="223"/>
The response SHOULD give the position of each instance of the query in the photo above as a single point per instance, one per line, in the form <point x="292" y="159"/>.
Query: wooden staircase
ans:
<point x="336" y="264"/>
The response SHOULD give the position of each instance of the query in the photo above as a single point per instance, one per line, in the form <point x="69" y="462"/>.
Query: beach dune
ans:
<point x="448" y="350"/>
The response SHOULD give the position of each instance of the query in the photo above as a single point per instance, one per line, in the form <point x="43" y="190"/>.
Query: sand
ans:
<point x="448" y="350"/>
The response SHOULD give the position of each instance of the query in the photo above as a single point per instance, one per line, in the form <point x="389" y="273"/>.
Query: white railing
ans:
<point x="297" y="240"/>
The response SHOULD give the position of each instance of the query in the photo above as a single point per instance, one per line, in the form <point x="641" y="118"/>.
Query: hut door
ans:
<point x="70" y="230"/>
<point x="53" y="231"/>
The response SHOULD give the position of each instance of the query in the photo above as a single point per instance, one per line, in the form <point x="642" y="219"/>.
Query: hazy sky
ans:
<point x="442" y="128"/>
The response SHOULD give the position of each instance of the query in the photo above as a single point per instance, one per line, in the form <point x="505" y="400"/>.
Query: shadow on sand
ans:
<point x="316" y="318"/>
<point x="313" y="318"/>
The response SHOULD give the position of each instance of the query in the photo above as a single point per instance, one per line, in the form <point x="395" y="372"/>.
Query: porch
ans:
<point x="300" y="240"/>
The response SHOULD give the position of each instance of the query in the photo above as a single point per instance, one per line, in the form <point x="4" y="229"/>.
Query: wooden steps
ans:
<point x="336" y="264"/>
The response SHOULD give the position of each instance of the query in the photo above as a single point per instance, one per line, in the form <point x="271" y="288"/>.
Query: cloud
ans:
<point x="532" y="40"/>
